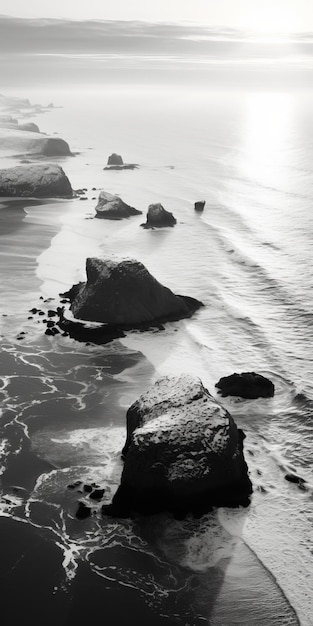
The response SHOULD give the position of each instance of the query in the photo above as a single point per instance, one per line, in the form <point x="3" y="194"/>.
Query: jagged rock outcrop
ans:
<point x="123" y="294"/>
<point x="183" y="452"/>
<point x="199" y="206"/>
<point x="158" y="217"/>
<point x="15" y="141"/>
<point x="112" y="207"/>
<point x="35" y="181"/>
<point x="246" y="385"/>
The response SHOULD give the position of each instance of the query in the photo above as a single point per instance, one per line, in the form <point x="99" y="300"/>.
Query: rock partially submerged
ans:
<point x="247" y="385"/>
<point x="115" y="162"/>
<point x="123" y="294"/>
<point x="183" y="452"/>
<point x="199" y="206"/>
<point x="35" y="181"/>
<point x="158" y="217"/>
<point x="115" y="159"/>
<point x="112" y="207"/>
<point x="84" y="332"/>
<point x="18" y="141"/>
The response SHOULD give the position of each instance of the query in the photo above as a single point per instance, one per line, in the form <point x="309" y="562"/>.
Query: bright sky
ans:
<point x="265" y="16"/>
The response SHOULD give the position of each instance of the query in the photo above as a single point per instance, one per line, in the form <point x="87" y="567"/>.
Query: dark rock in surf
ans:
<point x="158" y="217"/>
<point x="247" y="385"/>
<point x="115" y="159"/>
<point x="199" y="206"/>
<point x="183" y="452"/>
<point x="112" y="207"/>
<point x="115" y="162"/>
<point x="74" y="485"/>
<point x="83" y="511"/>
<point x="296" y="480"/>
<point x="127" y="166"/>
<point x="99" y="334"/>
<point x="123" y="294"/>
<point x="97" y="494"/>
<point x="35" y="181"/>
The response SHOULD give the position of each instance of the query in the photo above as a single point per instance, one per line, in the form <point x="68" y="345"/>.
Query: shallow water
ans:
<point x="64" y="403"/>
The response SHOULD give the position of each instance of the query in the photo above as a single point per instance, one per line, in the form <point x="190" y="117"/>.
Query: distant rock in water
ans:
<point x="14" y="102"/>
<point x="115" y="159"/>
<point x="199" y="206"/>
<point x="115" y="162"/>
<point x="35" y="181"/>
<point x="16" y="141"/>
<point x="296" y="480"/>
<point x="28" y="126"/>
<point x="123" y="294"/>
<point x="183" y="452"/>
<point x="247" y="385"/>
<point x="112" y="207"/>
<point x="127" y="166"/>
<point x="158" y="217"/>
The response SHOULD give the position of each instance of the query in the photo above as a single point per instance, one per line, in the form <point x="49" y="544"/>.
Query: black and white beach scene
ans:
<point x="156" y="326"/>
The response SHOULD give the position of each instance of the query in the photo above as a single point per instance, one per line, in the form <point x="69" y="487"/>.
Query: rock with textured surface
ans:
<point x="247" y="385"/>
<point x="124" y="294"/>
<point x="112" y="207"/>
<point x="13" y="140"/>
<point x="35" y="181"/>
<point x="183" y="451"/>
<point x="158" y="217"/>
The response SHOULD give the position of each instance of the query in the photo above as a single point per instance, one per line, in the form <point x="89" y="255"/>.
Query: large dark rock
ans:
<point x="84" y="332"/>
<point x="112" y="207"/>
<point x="183" y="452"/>
<point x="158" y="217"/>
<point x="199" y="206"/>
<point x="123" y="294"/>
<point x="246" y="385"/>
<point x="18" y="141"/>
<point x="35" y="181"/>
<point x="115" y="159"/>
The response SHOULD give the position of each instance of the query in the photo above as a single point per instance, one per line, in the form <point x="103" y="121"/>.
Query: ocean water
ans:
<point x="63" y="403"/>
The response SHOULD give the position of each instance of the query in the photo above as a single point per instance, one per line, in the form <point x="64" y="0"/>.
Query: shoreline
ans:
<point x="46" y="346"/>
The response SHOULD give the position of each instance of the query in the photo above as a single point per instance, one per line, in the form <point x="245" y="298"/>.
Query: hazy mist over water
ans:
<point x="42" y="52"/>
